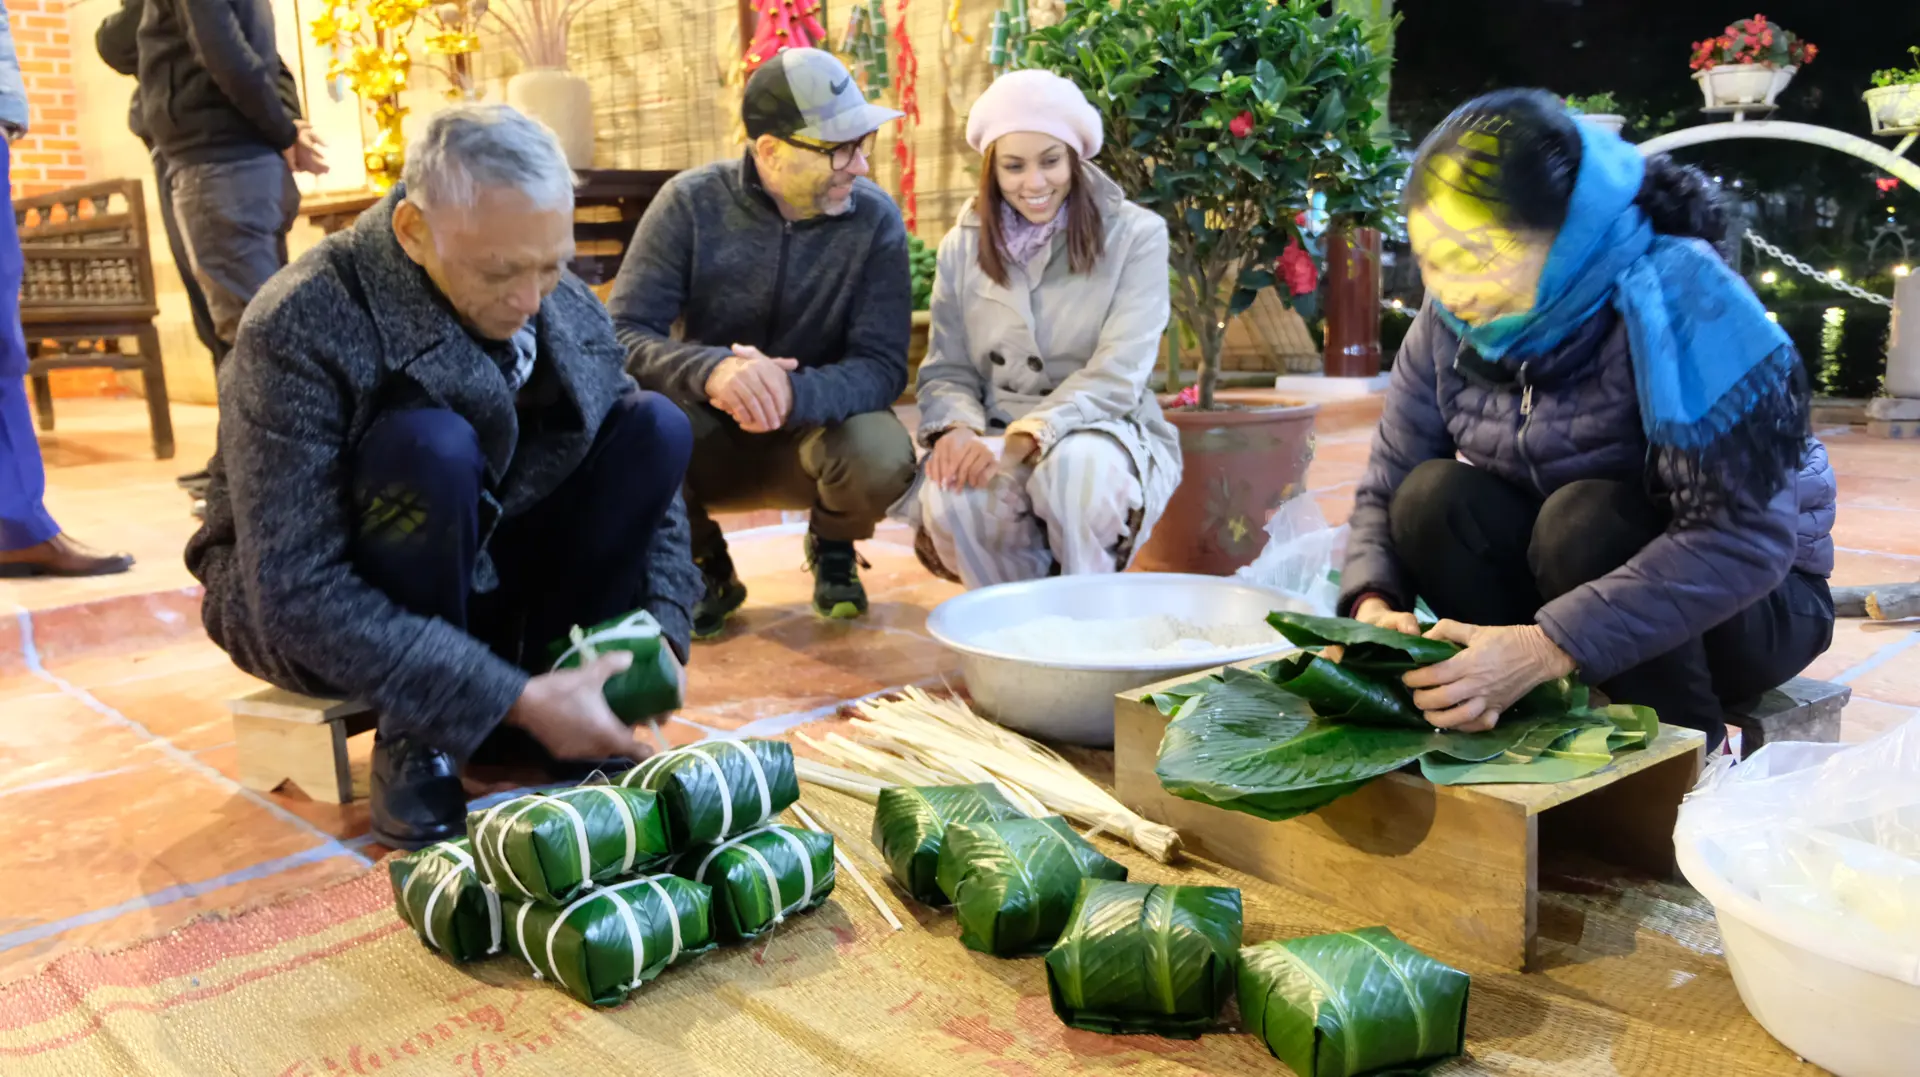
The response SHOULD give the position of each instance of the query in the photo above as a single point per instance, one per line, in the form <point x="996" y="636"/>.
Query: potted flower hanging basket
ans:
<point x="1602" y="110"/>
<point x="1748" y="64"/>
<point x="1894" y="101"/>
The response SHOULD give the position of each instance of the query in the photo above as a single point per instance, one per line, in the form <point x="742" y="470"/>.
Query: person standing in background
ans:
<point x="31" y="544"/>
<point x="222" y="117"/>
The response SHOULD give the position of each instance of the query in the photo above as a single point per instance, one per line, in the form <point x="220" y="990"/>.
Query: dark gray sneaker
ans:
<point x="724" y="596"/>
<point x="837" y="591"/>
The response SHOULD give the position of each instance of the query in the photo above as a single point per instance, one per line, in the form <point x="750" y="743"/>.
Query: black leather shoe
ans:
<point x="417" y="796"/>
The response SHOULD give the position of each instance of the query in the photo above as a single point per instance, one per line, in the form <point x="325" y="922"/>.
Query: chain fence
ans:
<point x="1804" y="269"/>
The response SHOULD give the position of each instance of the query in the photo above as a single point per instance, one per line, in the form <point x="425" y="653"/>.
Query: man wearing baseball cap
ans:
<point x="787" y="274"/>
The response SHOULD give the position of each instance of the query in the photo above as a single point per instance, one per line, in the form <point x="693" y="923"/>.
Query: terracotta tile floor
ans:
<point x="117" y="771"/>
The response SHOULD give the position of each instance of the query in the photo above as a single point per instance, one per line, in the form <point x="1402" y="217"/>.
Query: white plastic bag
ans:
<point x="1825" y="838"/>
<point x="1302" y="556"/>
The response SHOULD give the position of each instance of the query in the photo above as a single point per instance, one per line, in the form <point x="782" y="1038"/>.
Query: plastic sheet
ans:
<point x="1302" y="557"/>
<point x="1826" y="840"/>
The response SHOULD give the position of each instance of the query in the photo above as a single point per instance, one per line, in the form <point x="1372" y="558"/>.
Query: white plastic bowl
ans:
<point x="1072" y="701"/>
<point x="1837" y="1003"/>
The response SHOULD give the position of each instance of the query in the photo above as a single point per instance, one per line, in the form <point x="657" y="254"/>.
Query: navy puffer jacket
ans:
<point x="1583" y="422"/>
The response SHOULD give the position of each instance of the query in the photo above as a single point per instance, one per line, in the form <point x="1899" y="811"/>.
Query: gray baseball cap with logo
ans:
<point x="809" y="94"/>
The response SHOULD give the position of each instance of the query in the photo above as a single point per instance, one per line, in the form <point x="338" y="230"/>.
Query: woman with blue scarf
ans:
<point x="1594" y="457"/>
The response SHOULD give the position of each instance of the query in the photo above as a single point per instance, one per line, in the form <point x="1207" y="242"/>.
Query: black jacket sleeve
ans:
<point x="116" y="39"/>
<point x="217" y="31"/>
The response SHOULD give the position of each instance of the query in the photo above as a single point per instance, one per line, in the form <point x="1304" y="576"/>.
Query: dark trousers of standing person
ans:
<point x="234" y="217"/>
<point x="1486" y="552"/>
<point x="203" y="326"/>
<point x="578" y="557"/>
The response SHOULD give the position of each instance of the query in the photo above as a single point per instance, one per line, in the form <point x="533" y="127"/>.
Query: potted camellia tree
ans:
<point x="1894" y="100"/>
<point x="1226" y="117"/>
<point x="1601" y="110"/>
<point x="1749" y="63"/>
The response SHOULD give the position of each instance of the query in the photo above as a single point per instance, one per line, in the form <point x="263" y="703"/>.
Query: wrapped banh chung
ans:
<point x="761" y="877"/>
<point x="615" y="938"/>
<point x="1353" y="1003"/>
<point x="650" y="686"/>
<point x="718" y="788"/>
<point x="551" y="846"/>
<point x="440" y="895"/>
<point x="910" y="824"/>
<point x="1139" y="958"/>
<point x="1014" y="881"/>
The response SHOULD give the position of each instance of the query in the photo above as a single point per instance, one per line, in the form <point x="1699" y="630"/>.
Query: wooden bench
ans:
<point x="87" y="286"/>
<point x="1801" y="709"/>
<point x="1456" y="867"/>
<point x="281" y="737"/>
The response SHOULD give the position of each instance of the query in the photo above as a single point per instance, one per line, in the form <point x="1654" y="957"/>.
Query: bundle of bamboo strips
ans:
<point x="918" y="739"/>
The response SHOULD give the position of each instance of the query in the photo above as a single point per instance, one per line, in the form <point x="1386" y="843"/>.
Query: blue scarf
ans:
<point x="1705" y="358"/>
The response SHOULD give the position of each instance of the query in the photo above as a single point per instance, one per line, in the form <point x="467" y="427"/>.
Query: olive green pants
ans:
<point x="847" y="473"/>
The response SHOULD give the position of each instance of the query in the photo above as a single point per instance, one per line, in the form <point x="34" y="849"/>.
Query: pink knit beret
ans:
<point x="1037" y="101"/>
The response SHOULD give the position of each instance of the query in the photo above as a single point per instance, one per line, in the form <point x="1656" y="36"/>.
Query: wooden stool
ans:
<point x="281" y="737"/>
<point x="1455" y="866"/>
<point x="1801" y="709"/>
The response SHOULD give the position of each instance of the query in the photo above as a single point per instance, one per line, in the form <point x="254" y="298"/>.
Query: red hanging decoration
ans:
<point x="783" y="24"/>
<point x="910" y="105"/>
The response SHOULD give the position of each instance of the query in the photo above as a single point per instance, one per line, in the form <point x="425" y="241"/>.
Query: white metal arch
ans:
<point x="1811" y="134"/>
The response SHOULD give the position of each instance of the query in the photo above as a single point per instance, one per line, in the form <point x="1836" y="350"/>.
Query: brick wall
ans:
<point x="49" y="157"/>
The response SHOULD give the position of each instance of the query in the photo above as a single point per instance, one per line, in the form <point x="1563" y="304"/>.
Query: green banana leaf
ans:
<point x="1365" y="686"/>
<point x="1557" y="750"/>
<point x="1146" y="959"/>
<point x="610" y="941"/>
<point x="910" y="824"/>
<point x="1014" y="881"/>
<point x="1249" y="745"/>
<point x="440" y="895"/>
<point x="1353" y="1003"/>
<point x="761" y="877"/>
<point x="551" y="846"/>
<point x="648" y="688"/>
<point x="718" y="788"/>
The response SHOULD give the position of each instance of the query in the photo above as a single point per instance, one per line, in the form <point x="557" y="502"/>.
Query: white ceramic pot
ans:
<point x="1727" y="85"/>
<point x="1606" y="121"/>
<point x="563" y="101"/>
<point x="1894" y="107"/>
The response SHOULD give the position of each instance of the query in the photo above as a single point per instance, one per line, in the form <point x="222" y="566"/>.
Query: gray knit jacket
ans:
<point x="350" y="331"/>
<point x="714" y="255"/>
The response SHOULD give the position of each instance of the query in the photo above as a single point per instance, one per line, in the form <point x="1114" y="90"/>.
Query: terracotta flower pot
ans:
<point x="1240" y="467"/>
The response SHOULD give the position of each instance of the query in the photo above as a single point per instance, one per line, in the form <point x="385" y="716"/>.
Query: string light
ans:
<point x="1769" y="277"/>
<point x="1834" y="273"/>
<point x="1772" y="317"/>
<point x="1902" y="270"/>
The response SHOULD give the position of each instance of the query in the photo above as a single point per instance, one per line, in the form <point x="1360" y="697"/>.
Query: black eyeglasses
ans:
<point x="841" y="154"/>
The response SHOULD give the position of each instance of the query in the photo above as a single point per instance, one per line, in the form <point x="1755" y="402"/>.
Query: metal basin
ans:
<point x="1072" y="700"/>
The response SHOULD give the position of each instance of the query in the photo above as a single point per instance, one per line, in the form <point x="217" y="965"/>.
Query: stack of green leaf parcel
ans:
<point x="1139" y="958"/>
<point x="1289" y="737"/>
<point x="600" y="888"/>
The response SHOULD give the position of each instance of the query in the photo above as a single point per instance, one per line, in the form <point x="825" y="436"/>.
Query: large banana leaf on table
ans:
<point x="551" y="846"/>
<point x="910" y="825"/>
<point x="1146" y="959"/>
<point x="1014" y="881"/>
<point x="612" y="940"/>
<point x="1354" y="1003"/>
<point x="439" y="894"/>
<point x="761" y="877"/>
<point x="1249" y="742"/>
<point x="718" y="788"/>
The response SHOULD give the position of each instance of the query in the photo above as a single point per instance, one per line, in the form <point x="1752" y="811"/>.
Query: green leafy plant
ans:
<point x="1598" y="104"/>
<point x="1899" y="76"/>
<point x="1223" y="117"/>
<point x="921" y="261"/>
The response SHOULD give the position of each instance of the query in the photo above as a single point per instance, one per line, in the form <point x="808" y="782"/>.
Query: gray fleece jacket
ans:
<point x="349" y="332"/>
<point x="714" y="255"/>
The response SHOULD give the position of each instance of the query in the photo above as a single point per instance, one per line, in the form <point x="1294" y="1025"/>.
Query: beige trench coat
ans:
<point x="1070" y="353"/>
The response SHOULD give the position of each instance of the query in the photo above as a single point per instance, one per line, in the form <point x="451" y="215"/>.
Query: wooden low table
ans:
<point x="281" y="736"/>
<point x="1456" y="867"/>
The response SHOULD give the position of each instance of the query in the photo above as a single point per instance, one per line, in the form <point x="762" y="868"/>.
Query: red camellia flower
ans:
<point x="1241" y="125"/>
<point x="1188" y="397"/>
<point x="1297" y="269"/>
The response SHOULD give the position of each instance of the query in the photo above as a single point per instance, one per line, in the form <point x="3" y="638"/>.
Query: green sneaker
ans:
<point x="837" y="591"/>
<point x="723" y="598"/>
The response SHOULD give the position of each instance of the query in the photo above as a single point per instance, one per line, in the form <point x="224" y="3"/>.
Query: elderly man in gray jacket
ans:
<point x="432" y="464"/>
